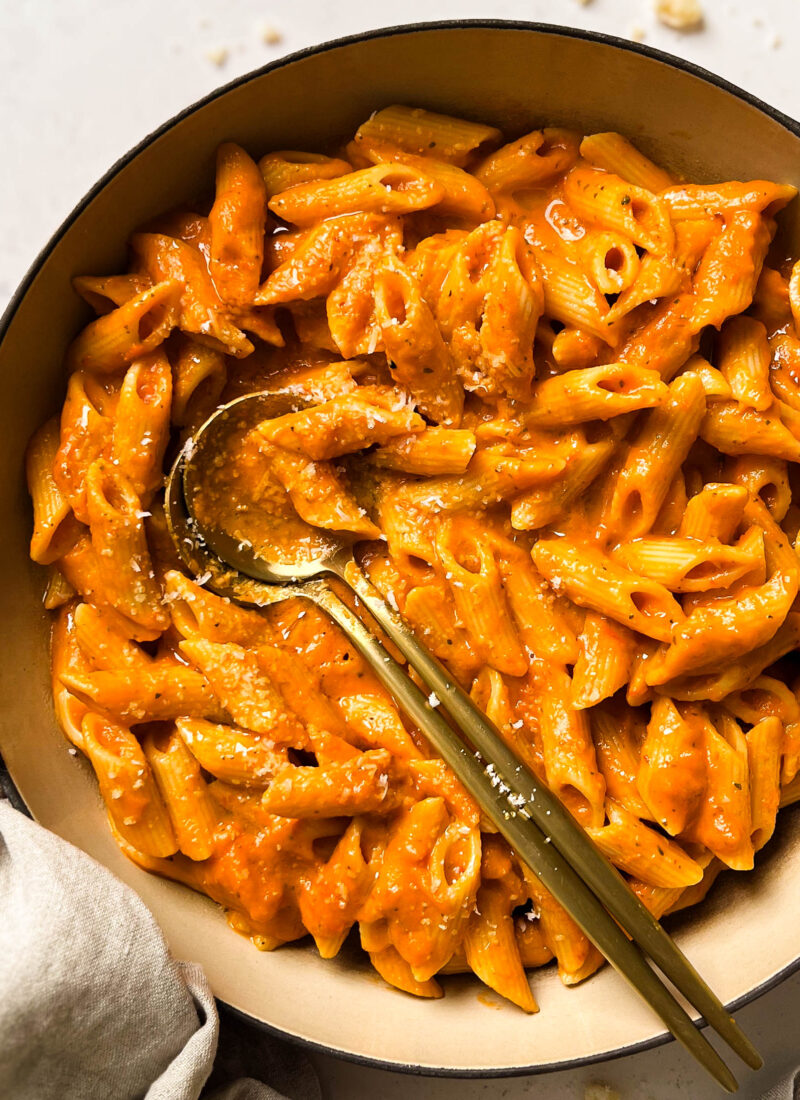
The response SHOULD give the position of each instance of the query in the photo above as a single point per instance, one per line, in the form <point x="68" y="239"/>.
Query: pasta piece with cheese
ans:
<point x="194" y="610"/>
<point x="697" y="200"/>
<point x="142" y="421"/>
<point x="323" y="256"/>
<point x="359" y="785"/>
<point x="231" y="754"/>
<point x="342" y="425"/>
<point x="201" y="310"/>
<point x="329" y="901"/>
<point x="414" y="345"/>
<point x="133" y="329"/>
<point x="199" y="377"/>
<point x="490" y="942"/>
<point x="605" y="660"/>
<point x="431" y="867"/>
<point x="86" y="427"/>
<point x="475" y="582"/>
<point x="611" y="260"/>
<point x="245" y="690"/>
<point x="431" y="452"/>
<point x="128" y="786"/>
<point x="575" y="955"/>
<point x="104" y="642"/>
<point x="194" y="815"/>
<point x="118" y="539"/>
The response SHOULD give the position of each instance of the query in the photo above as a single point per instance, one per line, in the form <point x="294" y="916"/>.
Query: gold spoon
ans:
<point x="525" y="812"/>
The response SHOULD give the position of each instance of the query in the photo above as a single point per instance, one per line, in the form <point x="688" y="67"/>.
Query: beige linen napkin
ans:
<point x="92" y="1005"/>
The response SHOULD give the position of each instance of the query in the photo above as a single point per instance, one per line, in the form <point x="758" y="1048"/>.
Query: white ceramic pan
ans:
<point x="746" y="937"/>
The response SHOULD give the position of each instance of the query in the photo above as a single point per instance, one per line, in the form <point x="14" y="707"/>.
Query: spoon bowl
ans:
<point x="210" y="449"/>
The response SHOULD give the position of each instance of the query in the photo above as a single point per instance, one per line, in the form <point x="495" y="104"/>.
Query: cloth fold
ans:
<point x="92" y="1005"/>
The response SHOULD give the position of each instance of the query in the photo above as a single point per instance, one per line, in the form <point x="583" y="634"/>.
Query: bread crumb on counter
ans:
<point x="680" y="15"/>
<point x="270" y="35"/>
<point x="636" y="34"/>
<point x="218" y="56"/>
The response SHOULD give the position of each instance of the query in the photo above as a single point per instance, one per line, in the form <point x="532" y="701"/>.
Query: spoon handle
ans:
<point x="530" y="841"/>
<point x="542" y="806"/>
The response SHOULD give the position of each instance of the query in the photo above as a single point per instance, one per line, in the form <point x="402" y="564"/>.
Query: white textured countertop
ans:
<point x="83" y="81"/>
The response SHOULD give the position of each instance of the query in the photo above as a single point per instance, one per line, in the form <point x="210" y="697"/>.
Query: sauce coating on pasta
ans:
<point x="554" y="395"/>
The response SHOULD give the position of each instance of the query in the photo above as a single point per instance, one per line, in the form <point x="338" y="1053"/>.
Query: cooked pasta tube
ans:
<point x="764" y="477"/>
<point x="421" y="361"/>
<point x="475" y="582"/>
<point x="194" y="815"/>
<point x="382" y="189"/>
<point x="201" y="310"/>
<point x="614" y="153"/>
<point x="288" y="167"/>
<point x="356" y="786"/>
<point x="231" y="754"/>
<point x="605" y="660"/>
<point x="593" y="580"/>
<point x="342" y="425"/>
<point x="194" y="610"/>
<point x="464" y="195"/>
<point x="642" y="852"/>
<point x="491" y="947"/>
<point x="118" y="539"/>
<point x="690" y="565"/>
<point x="86" y="428"/>
<point x="611" y="259"/>
<point x="530" y="161"/>
<point x="427" y="134"/>
<point x="236" y="222"/>
<point x="569" y="754"/>
<point x="142" y="421"/>
<point x="637" y="491"/>
<point x="724" y="822"/>
<point x="595" y="393"/>
<point x="244" y="690"/>
<point x="128" y="787"/>
<point x="764" y="744"/>
<point x="129" y="331"/>
<point x="51" y="508"/>
<point x="104" y="642"/>
<point x="714" y="513"/>
<point x="330" y="900"/>
<point x="672" y="771"/>
<point x="618" y="737"/>
<point x="431" y="452"/>
<point x="605" y="199"/>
